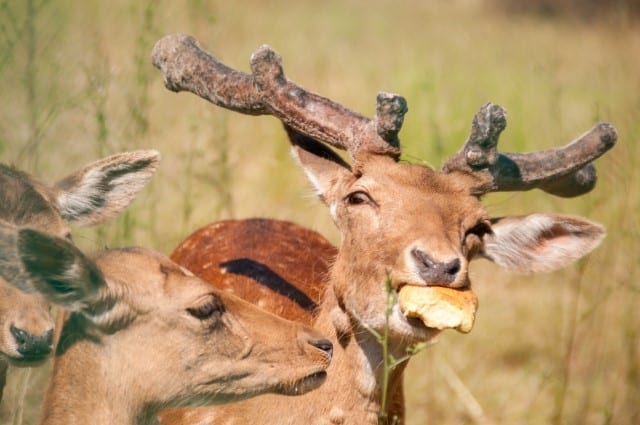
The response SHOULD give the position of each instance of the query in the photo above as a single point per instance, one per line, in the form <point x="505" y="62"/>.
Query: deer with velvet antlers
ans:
<point x="404" y="226"/>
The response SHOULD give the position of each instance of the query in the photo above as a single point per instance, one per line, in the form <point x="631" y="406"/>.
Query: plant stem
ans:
<point x="387" y="360"/>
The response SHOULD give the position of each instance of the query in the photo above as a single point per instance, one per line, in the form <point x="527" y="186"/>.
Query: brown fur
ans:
<point x="298" y="256"/>
<point x="277" y="265"/>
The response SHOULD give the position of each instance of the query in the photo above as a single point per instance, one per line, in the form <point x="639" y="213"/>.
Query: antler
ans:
<point x="565" y="171"/>
<point x="186" y="67"/>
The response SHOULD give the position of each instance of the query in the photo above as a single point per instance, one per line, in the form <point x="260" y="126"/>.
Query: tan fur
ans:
<point x="25" y="201"/>
<point x="143" y="334"/>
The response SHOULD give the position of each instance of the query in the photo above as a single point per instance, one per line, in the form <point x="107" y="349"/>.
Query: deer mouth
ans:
<point x="306" y="384"/>
<point x="30" y="360"/>
<point x="439" y="307"/>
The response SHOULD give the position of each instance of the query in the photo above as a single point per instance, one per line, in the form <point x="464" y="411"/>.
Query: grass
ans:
<point x="560" y="348"/>
<point x="389" y="361"/>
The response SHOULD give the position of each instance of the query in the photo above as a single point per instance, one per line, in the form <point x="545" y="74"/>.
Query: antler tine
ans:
<point x="480" y="149"/>
<point x="186" y="67"/>
<point x="566" y="171"/>
<point x="390" y="111"/>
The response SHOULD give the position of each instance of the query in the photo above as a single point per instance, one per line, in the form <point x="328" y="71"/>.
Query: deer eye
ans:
<point x="480" y="229"/>
<point x="473" y="237"/>
<point x="358" y="198"/>
<point x="212" y="308"/>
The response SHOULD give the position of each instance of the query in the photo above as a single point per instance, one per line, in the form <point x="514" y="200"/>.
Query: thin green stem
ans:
<point x="388" y="363"/>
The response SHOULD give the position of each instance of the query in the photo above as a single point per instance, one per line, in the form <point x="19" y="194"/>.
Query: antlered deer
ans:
<point x="402" y="223"/>
<point x="145" y="334"/>
<point x="88" y="196"/>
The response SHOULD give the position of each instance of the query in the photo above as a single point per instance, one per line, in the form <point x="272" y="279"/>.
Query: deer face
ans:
<point x="26" y="325"/>
<point x="162" y="331"/>
<point x="413" y="221"/>
<point x="221" y="348"/>
<point x="91" y="195"/>
<point x="408" y="224"/>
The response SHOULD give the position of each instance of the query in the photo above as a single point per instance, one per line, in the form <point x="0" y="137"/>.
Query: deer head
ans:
<point x="144" y="334"/>
<point x="407" y="222"/>
<point x="89" y="196"/>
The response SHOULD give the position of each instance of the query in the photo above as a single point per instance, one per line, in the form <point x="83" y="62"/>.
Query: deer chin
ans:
<point x="439" y="307"/>
<point x="231" y="392"/>
<point x="28" y="361"/>
<point x="304" y="385"/>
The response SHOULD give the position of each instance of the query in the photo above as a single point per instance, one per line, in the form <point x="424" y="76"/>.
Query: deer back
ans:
<point x="277" y="265"/>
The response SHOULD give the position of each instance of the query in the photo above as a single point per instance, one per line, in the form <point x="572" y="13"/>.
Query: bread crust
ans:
<point x="439" y="307"/>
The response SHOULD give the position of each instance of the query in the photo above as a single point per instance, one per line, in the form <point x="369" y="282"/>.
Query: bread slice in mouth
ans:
<point x="439" y="307"/>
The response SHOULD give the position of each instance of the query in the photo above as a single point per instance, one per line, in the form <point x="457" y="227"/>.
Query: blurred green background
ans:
<point x="559" y="348"/>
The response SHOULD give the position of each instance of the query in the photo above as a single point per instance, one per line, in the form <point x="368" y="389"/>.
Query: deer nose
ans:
<point x="32" y="346"/>
<point x="436" y="272"/>
<point x="323" y="345"/>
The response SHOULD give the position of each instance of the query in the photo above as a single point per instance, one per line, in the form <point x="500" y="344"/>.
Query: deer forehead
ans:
<point x="421" y="180"/>
<point x="142" y="277"/>
<point x="24" y="200"/>
<point x="414" y="195"/>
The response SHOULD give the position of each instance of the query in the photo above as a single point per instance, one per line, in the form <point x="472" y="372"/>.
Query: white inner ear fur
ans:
<point x="81" y="198"/>
<point x="541" y="242"/>
<point x="96" y="198"/>
<point x="319" y="188"/>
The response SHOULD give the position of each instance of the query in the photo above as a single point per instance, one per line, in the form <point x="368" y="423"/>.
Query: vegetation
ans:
<point x="561" y="348"/>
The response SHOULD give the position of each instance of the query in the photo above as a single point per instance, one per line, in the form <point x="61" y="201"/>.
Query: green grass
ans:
<point x="560" y="348"/>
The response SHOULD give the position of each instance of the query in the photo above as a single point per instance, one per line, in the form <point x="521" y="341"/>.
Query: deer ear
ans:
<point x="104" y="188"/>
<point x="540" y="242"/>
<point x="323" y="167"/>
<point x="10" y="267"/>
<point x="58" y="270"/>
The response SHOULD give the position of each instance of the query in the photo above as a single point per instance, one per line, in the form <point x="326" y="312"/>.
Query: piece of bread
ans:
<point x="439" y="307"/>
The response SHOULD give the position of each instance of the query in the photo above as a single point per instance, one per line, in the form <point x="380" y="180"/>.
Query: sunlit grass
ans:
<point x="96" y="93"/>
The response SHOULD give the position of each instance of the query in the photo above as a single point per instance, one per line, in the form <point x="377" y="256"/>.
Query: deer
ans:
<point x="89" y="196"/>
<point x="402" y="225"/>
<point x="142" y="333"/>
<point x="277" y="265"/>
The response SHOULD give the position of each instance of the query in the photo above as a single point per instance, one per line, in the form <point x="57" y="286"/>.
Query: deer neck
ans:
<point x="358" y="363"/>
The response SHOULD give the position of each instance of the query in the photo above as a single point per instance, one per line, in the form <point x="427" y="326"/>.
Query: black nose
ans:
<point x="324" y="345"/>
<point x="435" y="272"/>
<point x="32" y="346"/>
